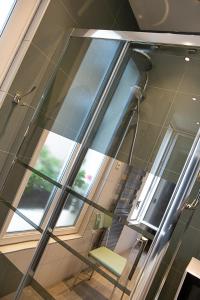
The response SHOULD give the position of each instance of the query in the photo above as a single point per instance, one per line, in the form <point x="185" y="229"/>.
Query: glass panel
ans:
<point x="181" y="240"/>
<point x="86" y="82"/>
<point x="69" y="105"/>
<point x="119" y="105"/>
<point x="74" y="93"/>
<point x="98" y="233"/>
<point x="30" y="193"/>
<point x="84" y="183"/>
<point x="6" y="8"/>
<point x="168" y="123"/>
<point x="168" y="178"/>
<point x="52" y="154"/>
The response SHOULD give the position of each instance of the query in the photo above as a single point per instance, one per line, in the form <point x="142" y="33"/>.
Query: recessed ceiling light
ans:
<point x="194" y="98"/>
<point x="198" y="123"/>
<point x="187" y="58"/>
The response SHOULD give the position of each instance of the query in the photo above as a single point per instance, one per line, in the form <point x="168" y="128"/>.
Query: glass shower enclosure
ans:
<point x="117" y="100"/>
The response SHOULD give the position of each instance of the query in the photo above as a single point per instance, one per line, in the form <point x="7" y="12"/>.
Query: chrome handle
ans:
<point x="193" y="205"/>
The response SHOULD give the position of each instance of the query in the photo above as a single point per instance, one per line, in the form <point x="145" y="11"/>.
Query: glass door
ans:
<point x="110" y="157"/>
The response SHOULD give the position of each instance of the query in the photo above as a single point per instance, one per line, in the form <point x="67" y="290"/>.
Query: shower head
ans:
<point x="142" y="60"/>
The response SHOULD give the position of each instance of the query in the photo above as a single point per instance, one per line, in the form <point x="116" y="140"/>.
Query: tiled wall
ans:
<point x="172" y="85"/>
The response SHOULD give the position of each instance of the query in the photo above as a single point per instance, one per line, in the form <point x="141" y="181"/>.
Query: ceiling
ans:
<point x="167" y="15"/>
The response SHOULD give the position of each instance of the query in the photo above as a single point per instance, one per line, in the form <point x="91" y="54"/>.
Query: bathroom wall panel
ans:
<point x="13" y="120"/>
<point x="190" y="82"/>
<point x="8" y="285"/>
<point x="146" y="139"/>
<point x="154" y="108"/>
<point x="53" y="32"/>
<point x="34" y="71"/>
<point x="115" y="15"/>
<point x="167" y="71"/>
<point x="87" y="13"/>
<point x="184" y="113"/>
<point x="124" y="20"/>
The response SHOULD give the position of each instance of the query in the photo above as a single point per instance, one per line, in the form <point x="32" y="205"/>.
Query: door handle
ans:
<point x="193" y="205"/>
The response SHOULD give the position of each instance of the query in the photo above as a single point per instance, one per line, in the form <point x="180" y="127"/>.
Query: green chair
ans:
<point x="102" y="256"/>
<point x="105" y="257"/>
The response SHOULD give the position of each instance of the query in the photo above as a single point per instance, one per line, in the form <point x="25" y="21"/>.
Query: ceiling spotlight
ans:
<point x="198" y="123"/>
<point x="194" y="98"/>
<point x="187" y="58"/>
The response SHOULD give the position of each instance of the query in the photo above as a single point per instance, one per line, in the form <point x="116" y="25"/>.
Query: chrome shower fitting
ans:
<point x="18" y="97"/>
<point x="192" y="205"/>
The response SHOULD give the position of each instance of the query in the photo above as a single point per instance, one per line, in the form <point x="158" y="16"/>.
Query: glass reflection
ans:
<point x="54" y="155"/>
<point x="84" y="184"/>
<point x="32" y="202"/>
<point x="157" y="190"/>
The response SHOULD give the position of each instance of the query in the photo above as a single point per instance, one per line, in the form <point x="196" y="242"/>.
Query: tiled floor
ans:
<point x="97" y="288"/>
<point x="28" y="293"/>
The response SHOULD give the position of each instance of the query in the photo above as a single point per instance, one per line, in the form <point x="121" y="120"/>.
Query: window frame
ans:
<point x="13" y="34"/>
<point x="30" y="235"/>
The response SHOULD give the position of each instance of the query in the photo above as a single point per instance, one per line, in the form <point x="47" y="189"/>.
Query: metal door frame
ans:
<point x="186" y="179"/>
<point x="192" y="165"/>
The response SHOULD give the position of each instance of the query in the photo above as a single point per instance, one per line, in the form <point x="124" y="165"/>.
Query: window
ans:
<point x="35" y="194"/>
<point x="6" y="8"/>
<point x="51" y="161"/>
<point x="83" y="184"/>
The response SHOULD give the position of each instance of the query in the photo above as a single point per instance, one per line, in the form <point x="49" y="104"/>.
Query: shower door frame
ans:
<point x="191" y="167"/>
<point x="186" y="179"/>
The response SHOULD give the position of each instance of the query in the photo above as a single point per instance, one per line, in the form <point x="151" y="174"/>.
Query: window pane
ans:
<point x="5" y="11"/>
<point x="31" y="201"/>
<point x="83" y="184"/>
<point x="52" y="153"/>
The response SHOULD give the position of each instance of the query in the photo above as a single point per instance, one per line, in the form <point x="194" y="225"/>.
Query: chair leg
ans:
<point x="123" y="290"/>
<point x="92" y="273"/>
<point x="122" y="295"/>
<point x="113" y="291"/>
<point x="75" y="280"/>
